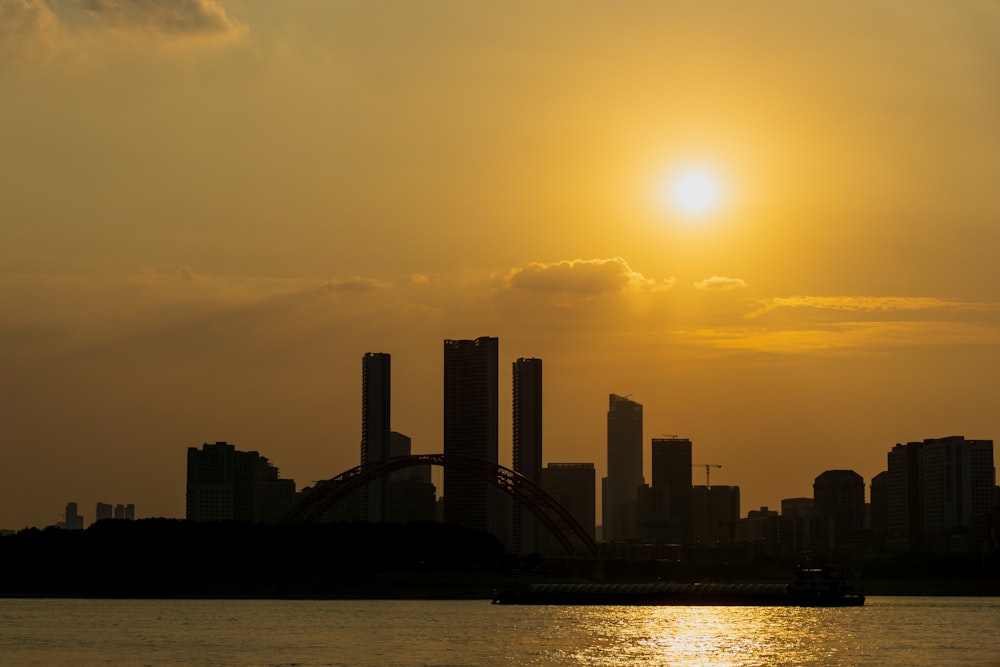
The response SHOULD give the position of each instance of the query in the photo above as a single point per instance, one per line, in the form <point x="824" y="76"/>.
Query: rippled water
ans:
<point x="886" y="631"/>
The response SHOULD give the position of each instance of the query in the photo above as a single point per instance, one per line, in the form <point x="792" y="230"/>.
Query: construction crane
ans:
<point x="708" y="469"/>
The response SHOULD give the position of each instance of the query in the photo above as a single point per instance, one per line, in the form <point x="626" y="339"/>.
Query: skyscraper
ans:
<point x="621" y="486"/>
<point x="527" y="440"/>
<point x="375" y="428"/>
<point x="470" y="429"/>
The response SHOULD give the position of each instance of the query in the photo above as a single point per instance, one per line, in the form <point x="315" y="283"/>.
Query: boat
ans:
<point x="809" y="587"/>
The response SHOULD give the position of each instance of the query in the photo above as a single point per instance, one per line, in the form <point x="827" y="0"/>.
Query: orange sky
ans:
<point x="210" y="210"/>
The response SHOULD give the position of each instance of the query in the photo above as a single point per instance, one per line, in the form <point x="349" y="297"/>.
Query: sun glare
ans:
<point x="695" y="192"/>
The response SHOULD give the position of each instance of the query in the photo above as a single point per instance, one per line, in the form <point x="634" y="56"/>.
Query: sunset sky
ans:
<point x="211" y="209"/>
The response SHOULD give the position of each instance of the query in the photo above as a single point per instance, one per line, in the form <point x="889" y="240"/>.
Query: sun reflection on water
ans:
<point x="706" y="636"/>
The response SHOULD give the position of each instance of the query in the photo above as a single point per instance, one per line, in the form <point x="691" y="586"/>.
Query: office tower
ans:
<point x="527" y="440"/>
<point x="671" y="487"/>
<point x="375" y="429"/>
<point x="715" y="513"/>
<point x="226" y="484"/>
<point x="470" y="429"/>
<point x="839" y="504"/>
<point x="572" y="486"/>
<point x="620" y="489"/>
<point x="937" y="490"/>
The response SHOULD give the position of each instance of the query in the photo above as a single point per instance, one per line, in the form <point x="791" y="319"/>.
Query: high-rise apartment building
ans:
<point x="375" y="428"/>
<point x="527" y="445"/>
<point x="470" y="429"/>
<point x="621" y="487"/>
<point x="226" y="484"/>
<point x="937" y="489"/>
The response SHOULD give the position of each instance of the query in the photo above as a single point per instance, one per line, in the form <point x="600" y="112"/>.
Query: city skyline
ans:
<point x="773" y="226"/>
<point x="473" y="364"/>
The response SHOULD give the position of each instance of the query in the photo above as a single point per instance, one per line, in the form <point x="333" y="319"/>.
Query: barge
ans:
<point x="810" y="587"/>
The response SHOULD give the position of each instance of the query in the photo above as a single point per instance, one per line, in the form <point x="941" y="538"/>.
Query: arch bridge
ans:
<point x="556" y="519"/>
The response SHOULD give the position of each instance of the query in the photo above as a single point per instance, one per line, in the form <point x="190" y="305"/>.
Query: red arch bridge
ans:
<point x="567" y="530"/>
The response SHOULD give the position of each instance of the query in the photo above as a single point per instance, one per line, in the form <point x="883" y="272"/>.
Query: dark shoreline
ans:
<point x="173" y="559"/>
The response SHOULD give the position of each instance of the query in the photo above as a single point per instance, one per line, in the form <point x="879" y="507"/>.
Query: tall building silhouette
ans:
<point x="376" y="383"/>
<point x="671" y="486"/>
<point x="470" y="429"/>
<point x="527" y="445"/>
<point x="621" y="486"/>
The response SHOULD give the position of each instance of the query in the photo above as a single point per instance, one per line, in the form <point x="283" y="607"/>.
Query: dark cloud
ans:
<point x="29" y="30"/>
<point x="170" y="17"/>
<point x="582" y="276"/>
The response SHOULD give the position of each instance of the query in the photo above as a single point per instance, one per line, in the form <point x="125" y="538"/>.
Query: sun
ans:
<point x="694" y="191"/>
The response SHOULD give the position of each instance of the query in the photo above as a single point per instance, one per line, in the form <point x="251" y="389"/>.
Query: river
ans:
<point x="267" y="633"/>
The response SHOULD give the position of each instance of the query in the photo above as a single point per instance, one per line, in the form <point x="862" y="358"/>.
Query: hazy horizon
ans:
<point x="211" y="209"/>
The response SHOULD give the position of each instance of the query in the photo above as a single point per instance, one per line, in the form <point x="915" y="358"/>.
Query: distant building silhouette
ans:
<point x="938" y="489"/>
<point x="527" y="445"/>
<point x="839" y="504"/>
<point x="470" y="429"/>
<point x="620" y="489"/>
<point x="412" y="496"/>
<point x="72" y="520"/>
<point x="119" y="511"/>
<point x="376" y="380"/>
<point x="666" y="514"/>
<point x="796" y="526"/>
<point x="224" y="484"/>
<point x="572" y="485"/>
<point x="103" y="511"/>
<point x="879" y="499"/>
<point x="761" y="528"/>
<point x="715" y="512"/>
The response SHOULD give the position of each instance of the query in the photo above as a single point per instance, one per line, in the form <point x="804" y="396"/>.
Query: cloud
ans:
<point x="356" y="284"/>
<point x="29" y="31"/>
<point x="870" y="304"/>
<point x="721" y="283"/>
<point x="848" y="336"/>
<point x="174" y="18"/>
<point x="583" y="276"/>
